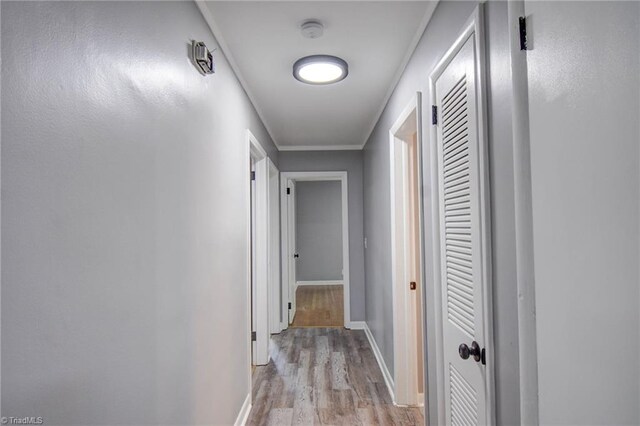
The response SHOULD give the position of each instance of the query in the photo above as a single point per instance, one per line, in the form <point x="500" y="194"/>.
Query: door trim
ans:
<point x="475" y="25"/>
<point x="405" y="349"/>
<point x="527" y="336"/>
<point x="340" y="176"/>
<point x="256" y="152"/>
<point x="273" y="194"/>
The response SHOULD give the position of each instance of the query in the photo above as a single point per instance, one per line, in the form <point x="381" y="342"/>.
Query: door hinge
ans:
<point x="434" y="115"/>
<point x="289" y="305"/>
<point x="253" y="336"/>
<point x="253" y="175"/>
<point x="288" y="191"/>
<point x="522" y="25"/>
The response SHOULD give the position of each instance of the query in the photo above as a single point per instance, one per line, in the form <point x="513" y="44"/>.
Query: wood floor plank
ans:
<point x="324" y="376"/>
<point x="319" y="306"/>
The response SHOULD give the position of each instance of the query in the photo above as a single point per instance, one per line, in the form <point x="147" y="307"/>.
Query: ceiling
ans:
<point x="262" y="40"/>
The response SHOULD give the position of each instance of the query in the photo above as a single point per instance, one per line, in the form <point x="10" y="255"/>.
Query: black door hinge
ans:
<point x="253" y="175"/>
<point x="522" y="25"/>
<point x="288" y="191"/>
<point x="434" y="115"/>
<point x="289" y="305"/>
<point x="253" y="336"/>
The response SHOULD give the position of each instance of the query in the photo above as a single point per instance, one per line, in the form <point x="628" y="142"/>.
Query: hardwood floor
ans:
<point x="319" y="306"/>
<point x="324" y="376"/>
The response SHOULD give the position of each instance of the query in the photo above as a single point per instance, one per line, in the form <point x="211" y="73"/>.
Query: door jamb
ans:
<point x="340" y="176"/>
<point x="256" y="152"/>
<point x="527" y="336"/>
<point x="273" y="203"/>
<point x="404" y="321"/>
<point x="474" y="26"/>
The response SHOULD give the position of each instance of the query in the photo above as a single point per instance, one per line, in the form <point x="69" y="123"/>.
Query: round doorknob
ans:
<point x="465" y="351"/>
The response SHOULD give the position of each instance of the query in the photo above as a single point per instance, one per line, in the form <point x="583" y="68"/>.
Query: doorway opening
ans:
<point x="406" y="255"/>
<point x="315" y="249"/>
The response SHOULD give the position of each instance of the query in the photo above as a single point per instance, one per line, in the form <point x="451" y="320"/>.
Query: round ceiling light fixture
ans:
<point x="320" y="69"/>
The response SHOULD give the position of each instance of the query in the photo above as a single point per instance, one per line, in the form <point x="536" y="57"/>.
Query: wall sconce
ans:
<point x="202" y="58"/>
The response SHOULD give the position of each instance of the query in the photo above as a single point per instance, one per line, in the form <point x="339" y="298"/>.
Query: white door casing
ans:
<point x="287" y="180"/>
<point x="406" y="251"/>
<point x="274" y="248"/>
<point x="462" y="224"/>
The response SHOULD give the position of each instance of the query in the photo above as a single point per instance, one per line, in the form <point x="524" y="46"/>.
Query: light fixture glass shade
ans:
<point x="320" y="69"/>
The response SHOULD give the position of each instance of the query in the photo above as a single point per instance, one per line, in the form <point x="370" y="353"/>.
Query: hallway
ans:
<point x="324" y="376"/>
<point x="380" y="204"/>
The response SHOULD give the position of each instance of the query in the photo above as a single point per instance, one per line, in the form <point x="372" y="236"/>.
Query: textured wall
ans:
<point x="351" y="162"/>
<point x="444" y="27"/>
<point x="585" y="174"/>
<point x="319" y="231"/>
<point x="124" y="242"/>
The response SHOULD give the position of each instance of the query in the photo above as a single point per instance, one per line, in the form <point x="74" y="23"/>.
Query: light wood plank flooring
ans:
<point x="324" y="376"/>
<point x="319" y="306"/>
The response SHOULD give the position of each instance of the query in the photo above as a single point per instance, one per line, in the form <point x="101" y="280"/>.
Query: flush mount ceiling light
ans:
<point x="320" y="69"/>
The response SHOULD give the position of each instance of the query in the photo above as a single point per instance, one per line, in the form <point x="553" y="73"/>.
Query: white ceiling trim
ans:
<point x="217" y="33"/>
<point x="320" y="148"/>
<point x="412" y="47"/>
<point x="208" y="17"/>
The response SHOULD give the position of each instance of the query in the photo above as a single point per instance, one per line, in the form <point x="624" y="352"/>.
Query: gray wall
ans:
<point x="585" y="183"/>
<point x="319" y="231"/>
<point x="445" y="26"/>
<point x="124" y="179"/>
<point x="351" y="162"/>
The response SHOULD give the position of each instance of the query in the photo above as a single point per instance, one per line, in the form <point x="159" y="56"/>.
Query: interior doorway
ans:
<point x="406" y="255"/>
<point x="315" y="269"/>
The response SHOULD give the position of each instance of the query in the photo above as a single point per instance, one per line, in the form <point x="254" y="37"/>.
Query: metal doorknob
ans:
<point x="465" y="352"/>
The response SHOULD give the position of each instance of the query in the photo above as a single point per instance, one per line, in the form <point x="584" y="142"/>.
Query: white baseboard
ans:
<point x="243" y="415"/>
<point x="388" y="379"/>
<point x="329" y="282"/>
<point x="357" y="325"/>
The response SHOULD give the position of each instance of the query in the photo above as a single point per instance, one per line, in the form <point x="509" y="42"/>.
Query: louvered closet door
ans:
<point x="460" y="244"/>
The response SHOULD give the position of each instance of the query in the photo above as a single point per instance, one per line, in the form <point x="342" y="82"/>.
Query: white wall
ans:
<point x="124" y="242"/>
<point x="319" y="231"/>
<point x="444" y="27"/>
<point x="584" y="92"/>
<point x="351" y="162"/>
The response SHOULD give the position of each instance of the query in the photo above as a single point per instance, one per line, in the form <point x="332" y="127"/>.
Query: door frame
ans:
<point x="527" y="336"/>
<point x="342" y="177"/>
<point x="473" y="26"/>
<point x="405" y="341"/>
<point x="273" y="196"/>
<point x="259" y="352"/>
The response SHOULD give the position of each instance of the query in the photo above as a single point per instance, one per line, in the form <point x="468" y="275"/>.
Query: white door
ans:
<point x="254" y="280"/>
<point x="291" y="235"/>
<point x="463" y="220"/>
